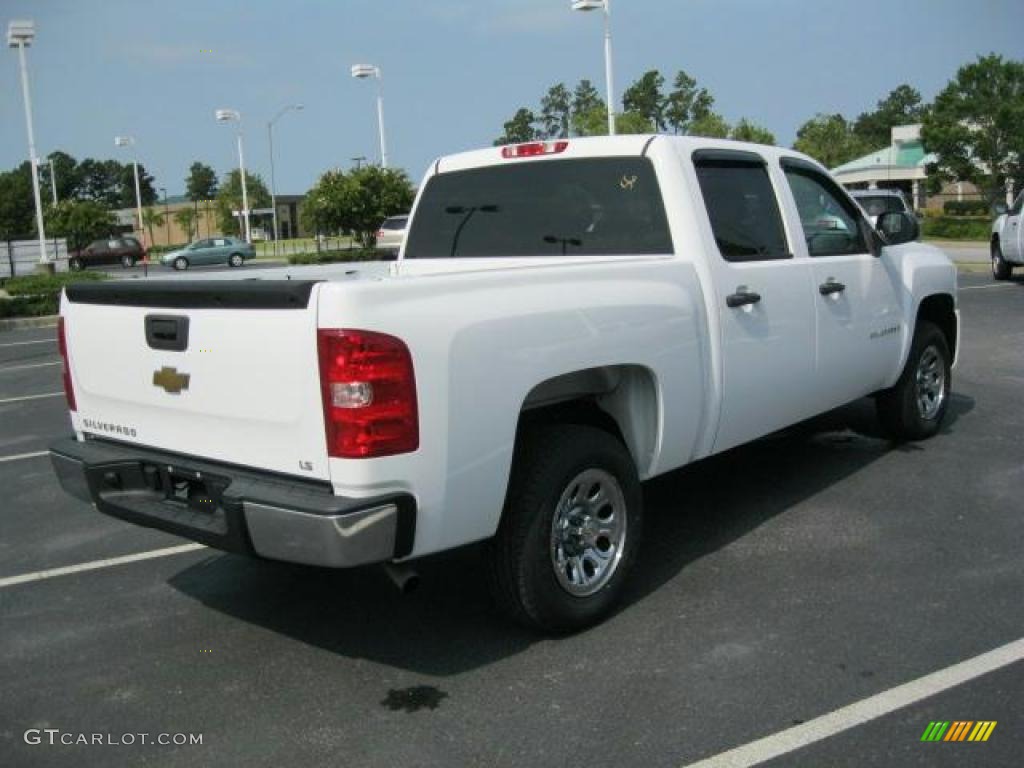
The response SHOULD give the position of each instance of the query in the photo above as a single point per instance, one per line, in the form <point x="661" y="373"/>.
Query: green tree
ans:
<point x="686" y="103"/>
<point x="829" y="139"/>
<point x="645" y="97"/>
<point x="592" y="121"/>
<point x="151" y="217"/>
<point x="65" y="168"/>
<point x="519" y="129"/>
<point x="229" y="198"/>
<point x="186" y="219"/>
<point x="17" y="208"/>
<point x="903" y="106"/>
<point x="555" y="112"/>
<point x="632" y="122"/>
<point x="80" y="221"/>
<point x="201" y="183"/>
<point x="712" y="125"/>
<point x="976" y="126"/>
<point x="745" y="130"/>
<point x="585" y="98"/>
<point x="357" y="201"/>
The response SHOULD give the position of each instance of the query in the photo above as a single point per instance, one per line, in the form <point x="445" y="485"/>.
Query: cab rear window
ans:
<point x="587" y="207"/>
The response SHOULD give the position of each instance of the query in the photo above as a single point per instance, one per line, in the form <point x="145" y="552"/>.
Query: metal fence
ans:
<point x="20" y="257"/>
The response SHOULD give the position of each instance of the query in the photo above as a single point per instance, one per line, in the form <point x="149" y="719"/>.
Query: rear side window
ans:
<point x="396" y="223"/>
<point x="879" y="204"/>
<point x="588" y="207"/>
<point x="741" y="205"/>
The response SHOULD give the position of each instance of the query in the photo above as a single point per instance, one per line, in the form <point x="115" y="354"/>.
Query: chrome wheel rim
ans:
<point x="588" y="532"/>
<point x="931" y="383"/>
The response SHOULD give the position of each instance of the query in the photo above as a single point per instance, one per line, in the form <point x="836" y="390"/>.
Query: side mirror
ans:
<point x="897" y="227"/>
<point x="1000" y="208"/>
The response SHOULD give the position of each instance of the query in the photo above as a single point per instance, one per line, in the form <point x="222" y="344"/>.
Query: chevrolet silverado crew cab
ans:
<point x="1007" y="241"/>
<point x="565" y="320"/>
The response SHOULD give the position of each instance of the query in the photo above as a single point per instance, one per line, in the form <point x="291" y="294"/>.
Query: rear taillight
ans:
<point x="62" y="347"/>
<point x="534" y="149"/>
<point x="369" y="394"/>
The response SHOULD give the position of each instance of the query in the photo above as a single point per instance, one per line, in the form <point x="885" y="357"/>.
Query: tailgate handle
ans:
<point x="167" y="332"/>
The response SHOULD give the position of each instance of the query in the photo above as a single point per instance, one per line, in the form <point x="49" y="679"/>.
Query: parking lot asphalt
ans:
<point x="779" y="582"/>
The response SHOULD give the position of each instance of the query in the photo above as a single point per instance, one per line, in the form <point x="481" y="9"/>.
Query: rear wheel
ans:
<point x="570" y="529"/>
<point x="235" y="260"/>
<point x="181" y="263"/>
<point x="127" y="261"/>
<point x="914" y="408"/>
<point x="1001" y="268"/>
<point x="75" y="264"/>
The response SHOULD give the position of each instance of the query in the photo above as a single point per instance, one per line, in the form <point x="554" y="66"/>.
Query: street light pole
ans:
<point x="53" y="181"/>
<point x="129" y="141"/>
<point x="167" y="220"/>
<point x="605" y="5"/>
<point x="227" y="115"/>
<point x="20" y="34"/>
<point x="273" y="183"/>
<point x="361" y="71"/>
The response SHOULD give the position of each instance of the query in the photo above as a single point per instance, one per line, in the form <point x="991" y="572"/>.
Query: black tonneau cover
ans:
<point x="196" y="294"/>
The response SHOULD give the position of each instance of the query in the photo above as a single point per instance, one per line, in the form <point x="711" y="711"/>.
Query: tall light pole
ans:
<point x="129" y="141"/>
<point x="360" y="72"/>
<point x="273" y="185"/>
<point x="605" y="5"/>
<point x="227" y="116"/>
<point x="53" y="180"/>
<point x="20" y="35"/>
<point x="167" y="218"/>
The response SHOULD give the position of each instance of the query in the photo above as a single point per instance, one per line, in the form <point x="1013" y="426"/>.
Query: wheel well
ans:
<point x="621" y="400"/>
<point x="938" y="309"/>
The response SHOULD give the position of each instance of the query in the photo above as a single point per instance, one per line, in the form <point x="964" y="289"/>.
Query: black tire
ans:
<point x="236" y="260"/>
<point x="181" y="263"/>
<point x="1001" y="268"/>
<point x="905" y="410"/>
<point x="127" y="262"/>
<point x="524" y="578"/>
<point x="75" y="264"/>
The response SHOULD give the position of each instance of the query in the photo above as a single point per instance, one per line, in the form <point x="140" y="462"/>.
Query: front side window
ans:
<point x="830" y="222"/>
<point x="585" y="207"/>
<point x="1015" y="210"/>
<point x="741" y="205"/>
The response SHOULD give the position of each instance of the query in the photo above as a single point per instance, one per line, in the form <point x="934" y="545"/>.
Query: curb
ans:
<point x="17" y="323"/>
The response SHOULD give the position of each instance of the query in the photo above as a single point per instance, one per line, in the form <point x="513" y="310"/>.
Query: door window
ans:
<point x="741" y="205"/>
<point x="1015" y="210"/>
<point x="831" y="223"/>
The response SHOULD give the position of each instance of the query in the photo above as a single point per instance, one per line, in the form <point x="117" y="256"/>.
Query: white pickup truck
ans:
<point x="565" y="320"/>
<point x="1007" y="241"/>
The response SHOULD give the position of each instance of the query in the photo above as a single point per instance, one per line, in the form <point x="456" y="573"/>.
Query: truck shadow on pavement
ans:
<point x="449" y="626"/>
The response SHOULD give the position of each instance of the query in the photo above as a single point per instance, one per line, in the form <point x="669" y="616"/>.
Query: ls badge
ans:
<point x="171" y="381"/>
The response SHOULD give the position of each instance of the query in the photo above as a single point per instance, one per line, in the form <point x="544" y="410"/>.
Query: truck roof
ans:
<point x="602" y="146"/>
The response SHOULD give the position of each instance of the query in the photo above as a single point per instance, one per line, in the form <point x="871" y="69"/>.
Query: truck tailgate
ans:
<point x="222" y="370"/>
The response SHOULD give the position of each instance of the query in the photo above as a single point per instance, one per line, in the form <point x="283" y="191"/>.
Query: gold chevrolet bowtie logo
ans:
<point x="172" y="381"/>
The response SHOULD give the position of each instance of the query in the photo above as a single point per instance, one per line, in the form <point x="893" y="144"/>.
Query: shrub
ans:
<point x="331" y="257"/>
<point x="29" y="306"/>
<point x="957" y="227"/>
<point x="965" y="208"/>
<point x="47" y="285"/>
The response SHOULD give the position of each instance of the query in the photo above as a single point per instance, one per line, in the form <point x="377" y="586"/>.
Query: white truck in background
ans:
<point x="1007" y="240"/>
<point x="565" y="320"/>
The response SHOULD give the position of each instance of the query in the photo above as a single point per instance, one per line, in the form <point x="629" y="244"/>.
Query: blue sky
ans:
<point x="454" y="70"/>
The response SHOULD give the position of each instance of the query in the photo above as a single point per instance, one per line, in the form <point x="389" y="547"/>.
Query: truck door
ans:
<point x="856" y="295"/>
<point x="1013" y="231"/>
<point x="762" y="298"/>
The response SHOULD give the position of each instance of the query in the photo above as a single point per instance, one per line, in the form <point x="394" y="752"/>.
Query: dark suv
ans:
<point x="113" y="250"/>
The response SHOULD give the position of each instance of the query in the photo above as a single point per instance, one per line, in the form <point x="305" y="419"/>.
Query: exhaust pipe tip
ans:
<point x="404" y="577"/>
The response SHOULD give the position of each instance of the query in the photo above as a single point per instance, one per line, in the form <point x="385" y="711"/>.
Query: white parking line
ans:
<point x="20" y="456"/>
<point x="26" y="367"/>
<point x="862" y="711"/>
<point x="11" y="581"/>
<point x="980" y="287"/>
<point x="20" y="343"/>
<point x="30" y="397"/>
